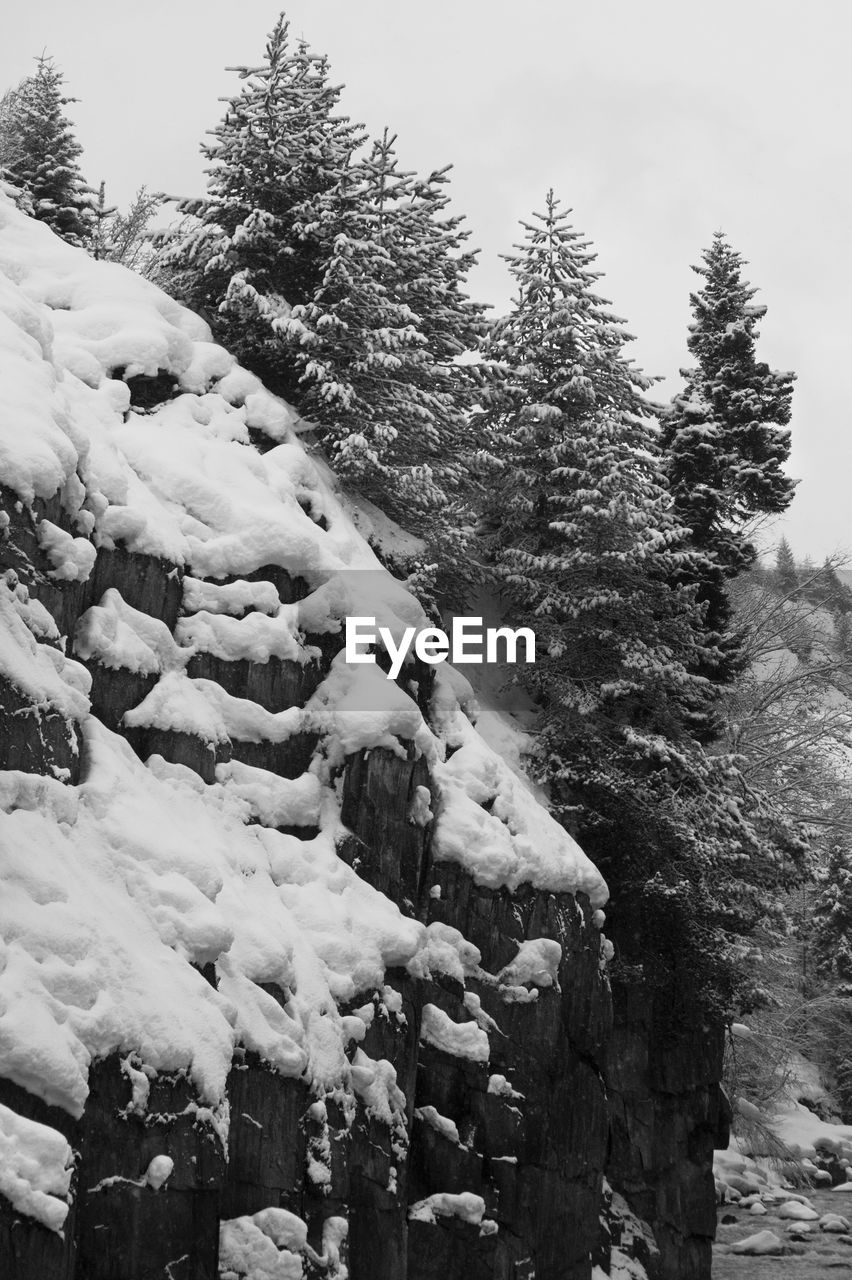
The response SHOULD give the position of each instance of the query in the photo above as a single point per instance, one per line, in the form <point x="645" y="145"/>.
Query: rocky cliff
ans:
<point x="297" y="978"/>
<point x="667" y="1113"/>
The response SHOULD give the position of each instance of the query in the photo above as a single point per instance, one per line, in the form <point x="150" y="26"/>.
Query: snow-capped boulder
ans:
<point x="833" y="1223"/>
<point x="795" y="1210"/>
<point x="763" y="1243"/>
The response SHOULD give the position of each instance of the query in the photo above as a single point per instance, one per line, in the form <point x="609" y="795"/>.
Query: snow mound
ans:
<point x="797" y="1211"/>
<point x="764" y="1243"/>
<point x="833" y="1222"/>
<point x="35" y="1169"/>
<point x="465" y="1205"/>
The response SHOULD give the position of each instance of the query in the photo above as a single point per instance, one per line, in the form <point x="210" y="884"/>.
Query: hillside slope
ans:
<point x="297" y="977"/>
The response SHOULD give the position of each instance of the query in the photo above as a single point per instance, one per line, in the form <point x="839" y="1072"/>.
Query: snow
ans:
<point x="119" y="636"/>
<point x="35" y="1169"/>
<point x="179" y="704"/>
<point x="39" y="671"/>
<point x="36" y="452"/>
<point x="159" y="1171"/>
<point x="762" y="1243"/>
<point x="376" y="1085"/>
<point x="420" y="814"/>
<point x="461" y="1039"/>
<point x="361" y="710"/>
<point x="445" y="950"/>
<point x="112" y="886"/>
<point x="177" y="482"/>
<point x="473" y="1005"/>
<point x="203" y="708"/>
<point x="274" y="801"/>
<point x="245" y="1249"/>
<point x="334" y="1232"/>
<point x="283" y="1228"/>
<point x="256" y="637"/>
<point x="802" y="1131"/>
<point x="246" y="720"/>
<point x="797" y="1211"/>
<point x="833" y="1222"/>
<point x="500" y="1085"/>
<point x="72" y="558"/>
<point x="441" y="1124"/>
<point x="537" y="963"/>
<point x="117" y="890"/>
<point x="465" y="1205"/>
<point x="516" y="840"/>
<point x="140" y="1084"/>
<point x="232" y="597"/>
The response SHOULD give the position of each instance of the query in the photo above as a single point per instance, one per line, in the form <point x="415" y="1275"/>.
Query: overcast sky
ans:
<point x="657" y="121"/>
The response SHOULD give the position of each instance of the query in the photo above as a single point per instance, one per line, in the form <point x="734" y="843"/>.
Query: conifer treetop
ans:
<point x="786" y="573"/>
<point x="377" y="345"/>
<point x="575" y="340"/>
<point x="40" y="154"/>
<point x="247" y="252"/>
<point x="726" y="435"/>
<point x="279" y="140"/>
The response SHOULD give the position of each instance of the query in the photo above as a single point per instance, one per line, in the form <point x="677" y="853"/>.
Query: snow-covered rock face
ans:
<point x="241" y="881"/>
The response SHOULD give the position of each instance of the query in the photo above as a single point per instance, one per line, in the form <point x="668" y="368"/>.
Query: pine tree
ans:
<point x="591" y="555"/>
<point x="824" y="588"/>
<point x="586" y="542"/>
<point x="247" y="252"/>
<point x="581" y="502"/>
<point x="828" y="937"/>
<point x="377" y="344"/>
<point x="786" y="574"/>
<point x="843" y="636"/>
<point x="39" y="154"/>
<point x="724" y="435"/>
<point x="831" y="937"/>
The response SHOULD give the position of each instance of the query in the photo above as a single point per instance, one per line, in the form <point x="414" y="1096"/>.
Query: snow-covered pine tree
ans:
<point x="377" y="344"/>
<point x="591" y="555"/>
<point x="786" y="574"/>
<point x="39" y="154"/>
<point x="586" y="541"/>
<point x="579" y="496"/>
<point x="831" y="936"/>
<point x="724" y="435"/>
<point x="825" y="589"/>
<point x="239" y="257"/>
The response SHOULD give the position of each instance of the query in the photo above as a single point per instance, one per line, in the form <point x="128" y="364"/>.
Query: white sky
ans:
<point x="657" y="121"/>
